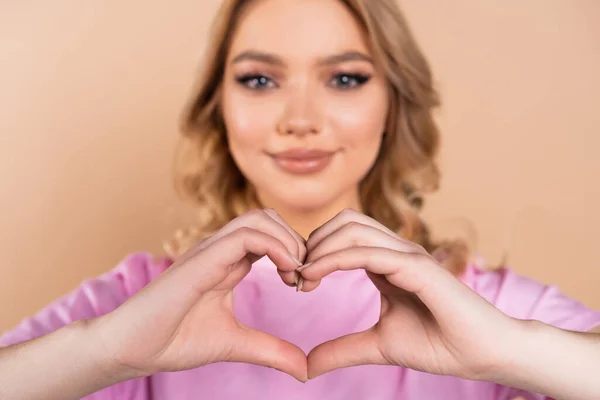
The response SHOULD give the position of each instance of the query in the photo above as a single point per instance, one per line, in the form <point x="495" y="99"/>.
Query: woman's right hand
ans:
<point x="184" y="319"/>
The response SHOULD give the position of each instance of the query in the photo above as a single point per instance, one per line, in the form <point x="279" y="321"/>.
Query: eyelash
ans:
<point x="355" y="81"/>
<point x="342" y="81"/>
<point x="251" y="81"/>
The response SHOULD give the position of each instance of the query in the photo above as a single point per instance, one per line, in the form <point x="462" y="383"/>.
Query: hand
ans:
<point x="184" y="319"/>
<point x="430" y="321"/>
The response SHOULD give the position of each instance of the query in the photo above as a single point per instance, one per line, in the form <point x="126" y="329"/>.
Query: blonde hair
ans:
<point x="207" y="176"/>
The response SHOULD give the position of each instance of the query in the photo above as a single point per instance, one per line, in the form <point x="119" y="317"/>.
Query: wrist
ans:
<point x="506" y="359"/>
<point x="104" y="357"/>
<point x="525" y="358"/>
<point x="68" y="363"/>
<point x="527" y="338"/>
<point x="552" y="361"/>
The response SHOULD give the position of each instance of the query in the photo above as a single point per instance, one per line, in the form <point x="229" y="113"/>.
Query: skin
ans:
<point x="168" y="324"/>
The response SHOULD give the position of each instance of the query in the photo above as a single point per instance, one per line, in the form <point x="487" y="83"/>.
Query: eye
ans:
<point x="349" y="81"/>
<point x="256" y="82"/>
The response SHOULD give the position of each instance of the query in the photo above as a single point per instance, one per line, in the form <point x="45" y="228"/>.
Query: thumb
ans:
<point x="347" y="351"/>
<point x="260" y="348"/>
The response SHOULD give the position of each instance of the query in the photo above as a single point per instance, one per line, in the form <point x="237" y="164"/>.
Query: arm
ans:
<point x="53" y="347"/>
<point x="559" y="363"/>
<point x="527" y="300"/>
<point x="165" y="325"/>
<point x="451" y="328"/>
<point x="49" y="368"/>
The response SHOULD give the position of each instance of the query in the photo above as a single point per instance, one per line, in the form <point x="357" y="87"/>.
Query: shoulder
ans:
<point x="506" y="289"/>
<point x="92" y="298"/>
<point x="521" y="297"/>
<point x="130" y="275"/>
<point x="134" y="271"/>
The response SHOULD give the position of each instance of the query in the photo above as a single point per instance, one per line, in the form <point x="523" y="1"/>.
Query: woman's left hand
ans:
<point x="430" y="321"/>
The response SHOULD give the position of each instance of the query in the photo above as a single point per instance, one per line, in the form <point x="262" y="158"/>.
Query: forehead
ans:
<point x="298" y="28"/>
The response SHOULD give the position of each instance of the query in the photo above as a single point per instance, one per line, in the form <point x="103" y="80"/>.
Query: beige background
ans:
<point x="90" y="93"/>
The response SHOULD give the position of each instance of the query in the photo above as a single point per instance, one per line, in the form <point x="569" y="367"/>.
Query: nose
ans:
<point x="301" y="116"/>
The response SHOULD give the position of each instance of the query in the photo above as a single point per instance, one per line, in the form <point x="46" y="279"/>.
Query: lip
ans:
<point x="303" y="161"/>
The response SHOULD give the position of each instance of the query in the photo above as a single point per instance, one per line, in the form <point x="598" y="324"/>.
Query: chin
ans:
<point x="305" y="201"/>
<point x="303" y="195"/>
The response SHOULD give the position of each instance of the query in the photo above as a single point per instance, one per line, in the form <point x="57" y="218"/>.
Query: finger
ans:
<point x="414" y="272"/>
<point x="342" y="218"/>
<point x="289" y="278"/>
<point x="357" y="234"/>
<point x="182" y="286"/>
<point x="380" y="261"/>
<point x="347" y="351"/>
<point x="309" y="286"/>
<point x="261" y="221"/>
<point x="244" y="241"/>
<point x="260" y="348"/>
<point x="258" y="220"/>
<point x="299" y="239"/>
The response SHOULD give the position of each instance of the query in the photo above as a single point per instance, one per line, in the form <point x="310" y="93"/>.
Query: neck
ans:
<point x="307" y="220"/>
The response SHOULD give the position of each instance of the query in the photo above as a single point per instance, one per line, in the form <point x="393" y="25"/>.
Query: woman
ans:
<point x="320" y="110"/>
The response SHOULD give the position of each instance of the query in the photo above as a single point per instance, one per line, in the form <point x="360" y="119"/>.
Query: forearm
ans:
<point x="555" y="362"/>
<point x="65" y="364"/>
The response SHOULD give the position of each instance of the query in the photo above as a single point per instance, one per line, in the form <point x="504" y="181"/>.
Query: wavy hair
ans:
<point x="391" y="193"/>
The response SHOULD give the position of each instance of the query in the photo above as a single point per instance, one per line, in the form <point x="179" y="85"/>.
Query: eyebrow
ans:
<point x="344" y="57"/>
<point x="267" y="58"/>
<point x="253" y="55"/>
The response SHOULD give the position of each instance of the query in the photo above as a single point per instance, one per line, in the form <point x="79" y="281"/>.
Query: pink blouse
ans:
<point x="345" y="302"/>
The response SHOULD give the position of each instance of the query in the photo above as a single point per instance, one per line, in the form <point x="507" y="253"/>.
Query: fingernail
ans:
<point x="296" y="260"/>
<point x="296" y="281"/>
<point x="303" y="267"/>
<point x="300" y="283"/>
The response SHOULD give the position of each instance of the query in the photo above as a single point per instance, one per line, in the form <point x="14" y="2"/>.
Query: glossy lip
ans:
<point x="303" y="161"/>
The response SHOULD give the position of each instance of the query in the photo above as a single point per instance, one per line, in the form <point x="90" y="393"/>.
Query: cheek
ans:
<point x="361" y="123"/>
<point x="250" y="123"/>
<point x="247" y="122"/>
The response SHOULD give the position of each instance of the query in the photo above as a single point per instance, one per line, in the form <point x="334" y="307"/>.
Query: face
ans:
<point x="304" y="104"/>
